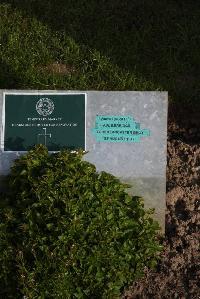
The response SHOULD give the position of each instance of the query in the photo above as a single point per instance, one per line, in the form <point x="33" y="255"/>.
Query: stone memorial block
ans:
<point x="125" y="133"/>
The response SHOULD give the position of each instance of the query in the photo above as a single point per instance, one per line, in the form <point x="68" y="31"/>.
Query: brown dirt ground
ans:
<point x="178" y="273"/>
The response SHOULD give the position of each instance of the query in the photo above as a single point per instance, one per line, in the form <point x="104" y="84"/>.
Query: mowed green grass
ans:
<point x="103" y="45"/>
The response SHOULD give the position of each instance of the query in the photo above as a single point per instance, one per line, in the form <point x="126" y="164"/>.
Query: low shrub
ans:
<point x="67" y="231"/>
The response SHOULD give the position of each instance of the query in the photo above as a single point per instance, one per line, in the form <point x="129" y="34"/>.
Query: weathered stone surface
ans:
<point x="142" y="163"/>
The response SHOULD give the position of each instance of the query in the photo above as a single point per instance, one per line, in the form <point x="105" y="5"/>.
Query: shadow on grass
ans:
<point x="8" y="78"/>
<point x="157" y="40"/>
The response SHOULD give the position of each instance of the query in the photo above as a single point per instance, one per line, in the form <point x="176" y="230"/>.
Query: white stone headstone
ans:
<point x="125" y="133"/>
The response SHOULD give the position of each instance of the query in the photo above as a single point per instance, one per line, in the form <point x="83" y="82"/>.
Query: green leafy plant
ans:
<point x="67" y="231"/>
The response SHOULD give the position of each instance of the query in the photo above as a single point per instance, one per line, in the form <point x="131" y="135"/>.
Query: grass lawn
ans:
<point x="103" y="45"/>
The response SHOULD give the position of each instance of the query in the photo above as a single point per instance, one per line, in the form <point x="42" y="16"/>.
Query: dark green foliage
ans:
<point x="67" y="231"/>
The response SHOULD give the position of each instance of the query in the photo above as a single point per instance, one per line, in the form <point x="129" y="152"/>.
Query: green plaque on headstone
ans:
<point x="55" y="120"/>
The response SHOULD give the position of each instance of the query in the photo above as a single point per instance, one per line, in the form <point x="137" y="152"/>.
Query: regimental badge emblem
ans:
<point x="44" y="106"/>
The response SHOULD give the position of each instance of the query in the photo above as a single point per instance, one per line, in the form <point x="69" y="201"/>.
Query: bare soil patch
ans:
<point x="58" y="68"/>
<point x="178" y="273"/>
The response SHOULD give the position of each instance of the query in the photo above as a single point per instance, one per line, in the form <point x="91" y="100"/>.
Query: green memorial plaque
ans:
<point x="55" y="120"/>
